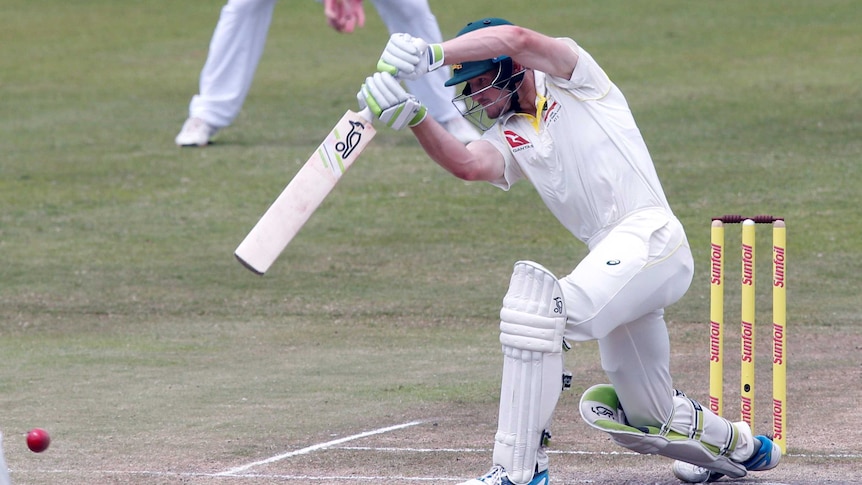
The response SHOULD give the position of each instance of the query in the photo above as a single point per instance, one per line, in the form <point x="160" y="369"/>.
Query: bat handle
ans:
<point x="366" y="113"/>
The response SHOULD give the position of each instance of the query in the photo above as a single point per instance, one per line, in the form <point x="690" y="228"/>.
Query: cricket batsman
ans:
<point x="552" y="116"/>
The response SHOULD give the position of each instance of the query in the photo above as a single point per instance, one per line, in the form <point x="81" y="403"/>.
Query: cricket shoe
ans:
<point x="195" y="132"/>
<point x="688" y="473"/>
<point x="766" y="457"/>
<point x="497" y="476"/>
<point x="461" y="129"/>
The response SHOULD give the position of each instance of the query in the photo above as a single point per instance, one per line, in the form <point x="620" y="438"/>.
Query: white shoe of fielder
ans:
<point x="195" y="132"/>
<point x="462" y="129"/>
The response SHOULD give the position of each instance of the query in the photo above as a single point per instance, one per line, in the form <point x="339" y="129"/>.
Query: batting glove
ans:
<point x="408" y="57"/>
<point x="390" y="103"/>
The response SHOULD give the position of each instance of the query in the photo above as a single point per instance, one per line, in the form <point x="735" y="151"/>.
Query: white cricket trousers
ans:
<point x="617" y="296"/>
<point x="240" y="36"/>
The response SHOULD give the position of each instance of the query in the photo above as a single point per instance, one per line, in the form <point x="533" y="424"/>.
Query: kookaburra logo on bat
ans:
<point x="351" y="141"/>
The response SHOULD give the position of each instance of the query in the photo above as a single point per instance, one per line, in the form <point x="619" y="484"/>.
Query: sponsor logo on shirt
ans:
<point x="516" y="141"/>
<point x="552" y="112"/>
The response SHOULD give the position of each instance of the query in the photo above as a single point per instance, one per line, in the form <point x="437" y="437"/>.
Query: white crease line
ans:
<point x="316" y="447"/>
<point x="306" y="478"/>
<point x="350" y="478"/>
<point x="474" y="450"/>
<point x="852" y="456"/>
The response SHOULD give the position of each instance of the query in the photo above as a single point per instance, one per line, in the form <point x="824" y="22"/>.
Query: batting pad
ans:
<point x="600" y="408"/>
<point x="532" y="323"/>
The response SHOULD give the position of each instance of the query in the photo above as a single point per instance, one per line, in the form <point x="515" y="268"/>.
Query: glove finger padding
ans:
<point x="386" y="90"/>
<point x="401" y="54"/>
<point x="390" y="102"/>
<point x="406" y="57"/>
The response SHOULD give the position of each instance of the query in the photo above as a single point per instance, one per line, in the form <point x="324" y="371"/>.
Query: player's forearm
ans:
<point x="441" y="146"/>
<point x="447" y="151"/>
<point x="526" y="47"/>
<point x="482" y="44"/>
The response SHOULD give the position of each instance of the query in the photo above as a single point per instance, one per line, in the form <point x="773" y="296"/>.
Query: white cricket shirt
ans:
<point x="583" y="153"/>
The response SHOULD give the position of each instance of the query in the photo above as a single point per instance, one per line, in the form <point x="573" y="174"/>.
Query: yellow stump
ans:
<point x="716" y="316"/>
<point x="748" y="317"/>
<point x="779" y="336"/>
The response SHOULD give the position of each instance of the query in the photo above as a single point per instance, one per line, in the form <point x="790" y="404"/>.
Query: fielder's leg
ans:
<point x="235" y="50"/>
<point x="532" y="323"/>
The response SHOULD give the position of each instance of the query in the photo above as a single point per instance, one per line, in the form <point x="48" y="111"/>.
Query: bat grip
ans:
<point x="366" y="113"/>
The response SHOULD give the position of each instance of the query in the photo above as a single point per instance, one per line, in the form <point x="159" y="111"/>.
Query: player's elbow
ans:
<point x="479" y="162"/>
<point x="469" y="174"/>
<point x="475" y="171"/>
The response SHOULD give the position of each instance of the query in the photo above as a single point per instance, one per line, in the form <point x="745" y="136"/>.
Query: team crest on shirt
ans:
<point x="516" y="141"/>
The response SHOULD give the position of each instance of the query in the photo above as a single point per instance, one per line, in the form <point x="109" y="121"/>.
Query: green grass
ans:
<point x="123" y="313"/>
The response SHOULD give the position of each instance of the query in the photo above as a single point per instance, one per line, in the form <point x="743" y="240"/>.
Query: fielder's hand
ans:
<point x="344" y="15"/>
<point x="408" y="57"/>
<point x="389" y="102"/>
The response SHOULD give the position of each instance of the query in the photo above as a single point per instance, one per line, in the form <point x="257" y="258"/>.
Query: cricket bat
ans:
<point x="304" y="194"/>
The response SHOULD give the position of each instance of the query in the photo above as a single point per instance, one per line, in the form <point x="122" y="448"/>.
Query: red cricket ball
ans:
<point x="38" y="440"/>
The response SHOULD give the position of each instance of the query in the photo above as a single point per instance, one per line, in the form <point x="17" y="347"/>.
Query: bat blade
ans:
<point x="305" y="192"/>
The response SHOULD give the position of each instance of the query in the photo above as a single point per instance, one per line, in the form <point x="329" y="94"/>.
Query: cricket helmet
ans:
<point x="506" y="79"/>
<point x="468" y="70"/>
